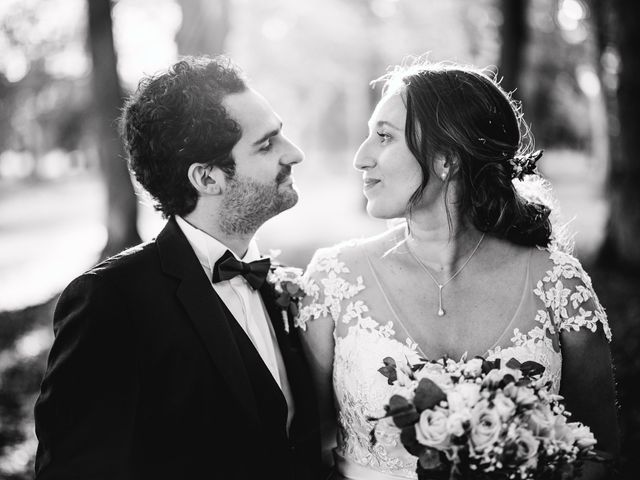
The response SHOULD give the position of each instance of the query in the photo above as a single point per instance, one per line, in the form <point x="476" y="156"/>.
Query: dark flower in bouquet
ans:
<point x="479" y="419"/>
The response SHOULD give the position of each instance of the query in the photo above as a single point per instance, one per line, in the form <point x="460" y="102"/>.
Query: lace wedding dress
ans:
<point x="342" y="283"/>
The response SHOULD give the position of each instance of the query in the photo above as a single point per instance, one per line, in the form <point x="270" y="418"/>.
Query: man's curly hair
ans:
<point x="175" y="119"/>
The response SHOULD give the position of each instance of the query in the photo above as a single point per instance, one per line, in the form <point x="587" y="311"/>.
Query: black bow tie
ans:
<point x="228" y="267"/>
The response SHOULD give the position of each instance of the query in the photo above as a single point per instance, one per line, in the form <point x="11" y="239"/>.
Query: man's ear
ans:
<point x="206" y="179"/>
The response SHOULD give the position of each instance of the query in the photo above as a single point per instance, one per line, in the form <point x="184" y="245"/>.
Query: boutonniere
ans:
<point x="289" y="288"/>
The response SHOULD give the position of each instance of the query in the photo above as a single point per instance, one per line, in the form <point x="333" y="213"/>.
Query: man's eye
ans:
<point x="384" y="137"/>
<point x="267" y="146"/>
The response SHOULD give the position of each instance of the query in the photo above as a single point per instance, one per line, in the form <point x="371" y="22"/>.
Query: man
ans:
<point x="167" y="361"/>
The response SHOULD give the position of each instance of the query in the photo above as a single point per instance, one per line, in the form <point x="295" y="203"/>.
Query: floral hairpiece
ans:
<point x="522" y="165"/>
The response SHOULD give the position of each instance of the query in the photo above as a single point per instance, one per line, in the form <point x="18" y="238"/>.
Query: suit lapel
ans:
<point x="206" y="312"/>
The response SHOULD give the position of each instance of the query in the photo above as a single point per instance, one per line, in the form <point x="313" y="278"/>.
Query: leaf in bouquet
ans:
<point x="488" y="365"/>
<point x="429" y="459"/>
<point x="410" y="442"/>
<point x="401" y="411"/>
<point x="514" y="364"/>
<point x="389" y="370"/>
<point x="531" y="368"/>
<point x="372" y="436"/>
<point x="428" y="395"/>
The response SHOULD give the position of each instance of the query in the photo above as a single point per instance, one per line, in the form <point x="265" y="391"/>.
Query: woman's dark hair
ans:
<point x="175" y="119"/>
<point x="462" y="113"/>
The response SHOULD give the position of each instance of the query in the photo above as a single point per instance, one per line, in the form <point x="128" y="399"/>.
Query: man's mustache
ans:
<point x="283" y="174"/>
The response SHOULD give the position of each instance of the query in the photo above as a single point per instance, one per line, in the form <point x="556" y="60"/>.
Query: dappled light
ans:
<point x="67" y="200"/>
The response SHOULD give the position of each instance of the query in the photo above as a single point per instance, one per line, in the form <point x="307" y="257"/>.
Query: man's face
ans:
<point x="262" y="185"/>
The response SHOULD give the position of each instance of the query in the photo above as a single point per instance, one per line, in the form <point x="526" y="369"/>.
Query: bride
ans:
<point x="475" y="268"/>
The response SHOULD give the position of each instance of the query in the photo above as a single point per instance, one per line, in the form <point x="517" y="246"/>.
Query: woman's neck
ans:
<point x="441" y="246"/>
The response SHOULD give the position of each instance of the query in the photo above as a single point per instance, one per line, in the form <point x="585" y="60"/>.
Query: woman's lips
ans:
<point x="369" y="183"/>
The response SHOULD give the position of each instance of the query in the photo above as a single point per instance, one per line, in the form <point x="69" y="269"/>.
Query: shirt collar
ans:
<point x="208" y="249"/>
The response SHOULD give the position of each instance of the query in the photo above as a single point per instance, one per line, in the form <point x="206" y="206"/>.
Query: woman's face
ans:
<point x="390" y="172"/>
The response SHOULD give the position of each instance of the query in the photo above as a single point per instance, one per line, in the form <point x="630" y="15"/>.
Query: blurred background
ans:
<point x="67" y="200"/>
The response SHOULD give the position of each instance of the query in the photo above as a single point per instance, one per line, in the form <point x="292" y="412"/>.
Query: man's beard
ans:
<point x="247" y="204"/>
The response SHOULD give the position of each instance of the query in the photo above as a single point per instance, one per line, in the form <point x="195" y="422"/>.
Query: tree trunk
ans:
<point x="621" y="246"/>
<point x="121" y="201"/>
<point x="205" y="26"/>
<point x="514" y="35"/>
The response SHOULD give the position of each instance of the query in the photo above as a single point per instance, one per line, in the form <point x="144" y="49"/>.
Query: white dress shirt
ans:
<point x="244" y="303"/>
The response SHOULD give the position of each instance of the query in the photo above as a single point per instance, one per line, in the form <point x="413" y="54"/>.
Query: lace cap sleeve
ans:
<point x="326" y="286"/>
<point x="568" y="296"/>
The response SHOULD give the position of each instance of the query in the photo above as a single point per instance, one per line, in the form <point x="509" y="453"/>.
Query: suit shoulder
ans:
<point x="130" y="261"/>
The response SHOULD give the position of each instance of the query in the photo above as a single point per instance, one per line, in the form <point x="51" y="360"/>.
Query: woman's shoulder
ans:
<point x="551" y="264"/>
<point x="354" y="252"/>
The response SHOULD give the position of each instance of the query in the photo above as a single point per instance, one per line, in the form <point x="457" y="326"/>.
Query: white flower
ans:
<point x="522" y="396"/>
<point x="431" y="429"/>
<point x="504" y="405"/>
<point x="485" y="426"/>
<point x="456" y="422"/>
<point x="541" y="420"/>
<point x="562" y="432"/>
<point x="584" y="438"/>
<point x="473" y="367"/>
<point x="526" y="448"/>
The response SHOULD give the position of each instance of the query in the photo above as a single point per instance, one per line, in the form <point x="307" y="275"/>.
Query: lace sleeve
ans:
<point x="325" y="287"/>
<point x="569" y="298"/>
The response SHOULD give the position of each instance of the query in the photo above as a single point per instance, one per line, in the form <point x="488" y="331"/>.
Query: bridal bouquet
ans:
<point x="479" y="419"/>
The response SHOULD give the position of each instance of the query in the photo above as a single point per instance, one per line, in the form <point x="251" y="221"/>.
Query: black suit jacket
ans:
<point x="150" y="377"/>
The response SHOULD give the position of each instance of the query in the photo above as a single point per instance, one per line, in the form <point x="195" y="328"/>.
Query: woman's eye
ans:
<point x="384" y="137"/>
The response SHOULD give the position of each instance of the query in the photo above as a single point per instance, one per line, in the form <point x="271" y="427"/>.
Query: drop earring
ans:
<point x="443" y="176"/>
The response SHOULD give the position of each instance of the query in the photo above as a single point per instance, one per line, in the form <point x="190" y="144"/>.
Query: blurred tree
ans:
<point x="514" y="33"/>
<point x="121" y="201"/>
<point x="205" y="26"/>
<point x="621" y="243"/>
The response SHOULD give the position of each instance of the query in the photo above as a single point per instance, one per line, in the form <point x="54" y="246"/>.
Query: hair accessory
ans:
<point x="522" y="165"/>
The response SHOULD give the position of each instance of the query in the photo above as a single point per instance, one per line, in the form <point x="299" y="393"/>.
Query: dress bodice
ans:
<point x="343" y="285"/>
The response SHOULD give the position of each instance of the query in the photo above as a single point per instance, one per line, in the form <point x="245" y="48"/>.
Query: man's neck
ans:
<point x="238" y="244"/>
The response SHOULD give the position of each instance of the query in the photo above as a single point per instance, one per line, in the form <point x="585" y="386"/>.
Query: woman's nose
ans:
<point x="364" y="158"/>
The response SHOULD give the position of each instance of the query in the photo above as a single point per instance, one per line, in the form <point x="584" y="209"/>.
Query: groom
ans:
<point x="171" y="360"/>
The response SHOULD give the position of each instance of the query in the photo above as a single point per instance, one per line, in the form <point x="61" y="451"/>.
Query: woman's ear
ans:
<point x="445" y="166"/>
<point x="206" y="179"/>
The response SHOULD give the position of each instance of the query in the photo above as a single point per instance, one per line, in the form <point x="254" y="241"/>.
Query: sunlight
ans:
<point x="144" y="36"/>
<point x="570" y="13"/>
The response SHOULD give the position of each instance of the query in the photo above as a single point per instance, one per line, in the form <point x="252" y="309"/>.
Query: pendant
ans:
<point x="440" y="309"/>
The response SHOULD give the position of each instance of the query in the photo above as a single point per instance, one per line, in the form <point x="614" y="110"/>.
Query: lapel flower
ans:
<point x="288" y="286"/>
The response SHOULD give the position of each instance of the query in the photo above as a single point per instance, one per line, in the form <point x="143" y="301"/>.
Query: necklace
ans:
<point x="440" y="286"/>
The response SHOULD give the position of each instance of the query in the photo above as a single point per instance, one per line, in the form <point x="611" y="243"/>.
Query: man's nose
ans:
<point x="293" y="155"/>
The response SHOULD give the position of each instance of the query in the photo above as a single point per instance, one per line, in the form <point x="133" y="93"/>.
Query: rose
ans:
<point x="522" y="396"/>
<point x="584" y="438"/>
<point x="431" y="429"/>
<point x="485" y="425"/>
<point x="541" y="420"/>
<point x="504" y="405"/>
<point x="526" y="448"/>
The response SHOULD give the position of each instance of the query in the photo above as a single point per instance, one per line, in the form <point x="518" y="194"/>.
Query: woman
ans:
<point x="475" y="269"/>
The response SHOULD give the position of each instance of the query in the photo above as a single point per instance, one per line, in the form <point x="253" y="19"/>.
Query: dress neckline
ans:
<point x="526" y="288"/>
